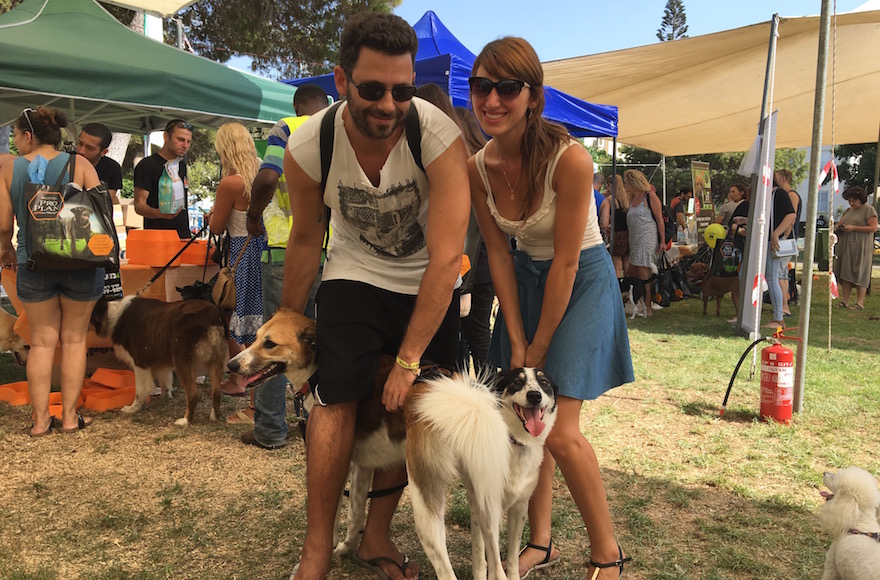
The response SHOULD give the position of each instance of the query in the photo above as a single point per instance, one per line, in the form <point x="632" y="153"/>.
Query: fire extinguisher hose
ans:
<point x="736" y="370"/>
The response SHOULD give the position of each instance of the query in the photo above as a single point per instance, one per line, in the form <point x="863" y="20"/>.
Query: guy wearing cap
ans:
<point x="165" y="170"/>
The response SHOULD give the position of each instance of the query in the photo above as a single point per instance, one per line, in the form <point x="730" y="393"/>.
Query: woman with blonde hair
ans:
<point x="620" y="240"/>
<point x="560" y="301"/>
<point x="642" y="221"/>
<point x="239" y="161"/>
<point x="58" y="303"/>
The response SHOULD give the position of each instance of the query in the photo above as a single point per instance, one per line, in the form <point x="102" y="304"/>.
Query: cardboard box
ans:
<point x="130" y="218"/>
<point x="118" y="219"/>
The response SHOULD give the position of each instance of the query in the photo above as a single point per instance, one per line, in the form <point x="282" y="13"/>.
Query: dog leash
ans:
<point x="171" y="261"/>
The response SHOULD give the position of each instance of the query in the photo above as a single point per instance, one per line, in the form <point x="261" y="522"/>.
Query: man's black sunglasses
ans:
<point x="507" y="89"/>
<point x="173" y="124"/>
<point x="375" y="91"/>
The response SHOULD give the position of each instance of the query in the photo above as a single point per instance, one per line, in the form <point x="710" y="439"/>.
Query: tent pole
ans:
<point x="812" y="202"/>
<point x="876" y="170"/>
<point x="663" y="161"/>
<point x="613" y="205"/>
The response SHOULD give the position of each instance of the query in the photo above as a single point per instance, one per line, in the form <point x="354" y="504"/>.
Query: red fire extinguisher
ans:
<point x="777" y="383"/>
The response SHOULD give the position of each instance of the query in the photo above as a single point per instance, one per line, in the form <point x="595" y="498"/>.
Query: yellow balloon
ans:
<point x="713" y="233"/>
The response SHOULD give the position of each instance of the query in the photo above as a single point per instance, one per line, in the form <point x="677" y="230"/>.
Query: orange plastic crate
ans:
<point x="195" y="254"/>
<point x="152" y="247"/>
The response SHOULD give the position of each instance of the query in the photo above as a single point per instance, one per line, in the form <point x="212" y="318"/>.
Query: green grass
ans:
<point x="692" y="495"/>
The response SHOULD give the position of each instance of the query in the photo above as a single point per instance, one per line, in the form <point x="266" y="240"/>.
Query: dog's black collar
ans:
<point x="515" y="441"/>
<point x="872" y="535"/>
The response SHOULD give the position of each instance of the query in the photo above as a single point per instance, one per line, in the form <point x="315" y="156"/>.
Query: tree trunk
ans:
<point x="4" y="138"/>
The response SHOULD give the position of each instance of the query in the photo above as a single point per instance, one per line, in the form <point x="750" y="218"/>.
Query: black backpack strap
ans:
<point x="414" y="135"/>
<point x="69" y="169"/>
<point x="326" y="138"/>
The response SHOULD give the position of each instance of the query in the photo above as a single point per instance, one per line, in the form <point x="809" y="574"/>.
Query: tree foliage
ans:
<point x="7" y="5"/>
<point x="674" y="23"/>
<point x="795" y="160"/>
<point x="289" y="38"/>
<point x="857" y="164"/>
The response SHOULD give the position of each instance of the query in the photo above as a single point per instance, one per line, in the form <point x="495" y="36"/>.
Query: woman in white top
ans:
<point x="560" y="301"/>
<point x="238" y="158"/>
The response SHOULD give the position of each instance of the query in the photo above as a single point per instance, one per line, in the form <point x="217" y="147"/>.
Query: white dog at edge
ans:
<point x="849" y="516"/>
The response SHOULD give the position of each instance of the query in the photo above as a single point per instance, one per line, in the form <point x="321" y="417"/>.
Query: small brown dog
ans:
<point x="716" y="286"/>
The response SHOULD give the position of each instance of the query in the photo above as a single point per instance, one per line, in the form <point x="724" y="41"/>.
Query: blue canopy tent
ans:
<point x="443" y="60"/>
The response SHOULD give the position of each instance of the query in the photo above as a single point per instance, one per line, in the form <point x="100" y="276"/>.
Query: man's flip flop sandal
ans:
<point x="373" y="565"/>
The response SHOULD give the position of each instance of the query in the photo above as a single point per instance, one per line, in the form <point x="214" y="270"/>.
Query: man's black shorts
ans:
<point x="356" y="323"/>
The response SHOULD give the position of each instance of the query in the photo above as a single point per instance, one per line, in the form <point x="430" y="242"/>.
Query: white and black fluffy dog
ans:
<point x="491" y="434"/>
<point x="849" y="516"/>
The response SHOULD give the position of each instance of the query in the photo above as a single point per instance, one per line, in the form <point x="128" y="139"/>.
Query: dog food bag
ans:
<point x="171" y="188"/>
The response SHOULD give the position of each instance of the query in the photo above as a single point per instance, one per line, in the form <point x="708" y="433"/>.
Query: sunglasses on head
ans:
<point x="27" y="118"/>
<point x="507" y="89"/>
<point x="177" y="123"/>
<point x="375" y="91"/>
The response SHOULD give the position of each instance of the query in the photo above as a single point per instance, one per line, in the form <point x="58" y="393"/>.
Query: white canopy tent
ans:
<point x="703" y="94"/>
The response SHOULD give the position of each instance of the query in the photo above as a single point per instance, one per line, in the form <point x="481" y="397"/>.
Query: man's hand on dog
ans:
<point x="397" y="388"/>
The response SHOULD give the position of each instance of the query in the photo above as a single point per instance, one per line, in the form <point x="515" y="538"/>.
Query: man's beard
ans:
<point x="361" y="118"/>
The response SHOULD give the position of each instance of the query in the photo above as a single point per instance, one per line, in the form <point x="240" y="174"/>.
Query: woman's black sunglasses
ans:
<point x="507" y="89"/>
<point x="375" y="91"/>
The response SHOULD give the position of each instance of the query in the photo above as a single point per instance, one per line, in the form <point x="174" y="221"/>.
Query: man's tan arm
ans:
<point x="303" y="254"/>
<point x="448" y="214"/>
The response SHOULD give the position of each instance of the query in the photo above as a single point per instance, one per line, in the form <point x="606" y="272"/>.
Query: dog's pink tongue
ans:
<point x="534" y="422"/>
<point x="250" y="379"/>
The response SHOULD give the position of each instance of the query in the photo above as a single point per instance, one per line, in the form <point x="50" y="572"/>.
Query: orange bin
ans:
<point x="110" y="399"/>
<point x="15" y="393"/>
<point x="152" y="247"/>
<point x="196" y="253"/>
<point x="113" y="378"/>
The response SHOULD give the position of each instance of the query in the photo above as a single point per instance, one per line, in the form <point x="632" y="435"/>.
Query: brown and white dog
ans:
<point x="716" y="286"/>
<point x="286" y="343"/>
<point x="490" y="432"/>
<point x="10" y="340"/>
<point x="155" y="338"/>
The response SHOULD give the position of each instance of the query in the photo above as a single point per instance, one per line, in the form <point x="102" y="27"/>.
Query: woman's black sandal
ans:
<point x="545" y="563"/>
<point x="616" y="564"/>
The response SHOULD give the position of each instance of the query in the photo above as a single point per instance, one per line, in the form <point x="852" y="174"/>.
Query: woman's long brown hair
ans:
<point x="513" y="57"/>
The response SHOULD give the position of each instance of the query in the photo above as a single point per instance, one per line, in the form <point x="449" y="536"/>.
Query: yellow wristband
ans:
<point x="413" y="366"/>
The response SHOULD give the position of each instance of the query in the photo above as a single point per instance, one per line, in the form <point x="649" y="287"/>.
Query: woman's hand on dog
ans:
<point x="535" y="356"/>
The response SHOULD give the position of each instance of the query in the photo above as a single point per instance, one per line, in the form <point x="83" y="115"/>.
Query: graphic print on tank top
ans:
<point x="387" y="222"/>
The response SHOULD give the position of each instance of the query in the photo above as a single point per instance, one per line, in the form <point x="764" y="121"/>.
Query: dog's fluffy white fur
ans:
<point x="494" y="440"/>
<point x="849" y="516"/>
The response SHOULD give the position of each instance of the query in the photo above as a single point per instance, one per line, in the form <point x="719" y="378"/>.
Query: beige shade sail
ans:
<point x="160" y="8"/>
<point x="703" y="94"/>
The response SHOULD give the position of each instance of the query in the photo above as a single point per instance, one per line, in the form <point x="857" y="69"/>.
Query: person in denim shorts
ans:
<point x="58" y="304"/>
